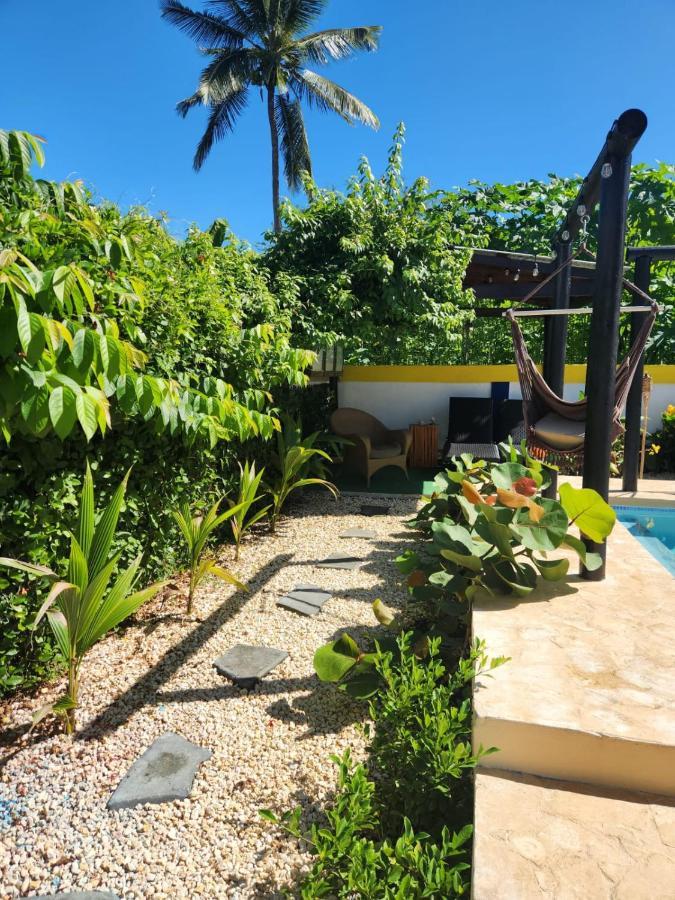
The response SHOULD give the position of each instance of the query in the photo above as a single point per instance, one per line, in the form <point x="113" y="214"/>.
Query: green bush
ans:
<point x="398" y="826"/>
<point x="661" y="446"/>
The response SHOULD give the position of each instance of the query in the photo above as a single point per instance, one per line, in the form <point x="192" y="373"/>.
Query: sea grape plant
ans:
<point x="485" y="528"/>
<point x="82" y="607"/>
<point x="197" y="529"/>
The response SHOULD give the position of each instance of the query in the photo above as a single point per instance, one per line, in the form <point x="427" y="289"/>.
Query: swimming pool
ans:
<point x="654" y="527"/>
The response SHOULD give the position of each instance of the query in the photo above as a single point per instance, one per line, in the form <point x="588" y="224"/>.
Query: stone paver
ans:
<point x="341" y="561"/>
<point x="369" y="509"/>
<point x="359" y="533"/>
<point x="305" y="609"/>
<point x="75" y="895"/>
<point x="163" y="773"/>
<point x="310" y="593"/>
<point x="247" y="665"/>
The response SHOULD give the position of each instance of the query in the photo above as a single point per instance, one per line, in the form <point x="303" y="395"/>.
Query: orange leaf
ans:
<point x="491" y="500"/>
<point x="512" y="500"/>
<point x="416" y="578"/>
<point x="471" y="493"/>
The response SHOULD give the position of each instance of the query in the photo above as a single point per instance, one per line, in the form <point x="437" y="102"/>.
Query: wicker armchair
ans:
<point x="373" y="445"/>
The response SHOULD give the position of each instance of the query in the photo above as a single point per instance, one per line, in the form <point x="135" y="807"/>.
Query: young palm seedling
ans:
<point x="249" y="484"/>
<point x="196" y="530"/>
<point x="82" y="607"/>
<point x="292" y="467"/>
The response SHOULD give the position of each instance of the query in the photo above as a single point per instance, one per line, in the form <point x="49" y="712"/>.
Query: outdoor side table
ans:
<point x="424" y="449"/>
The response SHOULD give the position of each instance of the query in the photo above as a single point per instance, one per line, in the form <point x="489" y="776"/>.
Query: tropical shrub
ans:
<point x="81" y="608"/>
<point x="375" y="268"/>
<point x="661" y="450"/>
<point x="179" y="347"/>
<point x="398" y="825"/>
<point x="196" y="531"/>
<point x="485" y="528"/>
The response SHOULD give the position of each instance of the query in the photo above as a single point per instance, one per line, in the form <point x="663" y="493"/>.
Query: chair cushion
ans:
<point x="562" y="434"/>
<point x="385" y="451"/>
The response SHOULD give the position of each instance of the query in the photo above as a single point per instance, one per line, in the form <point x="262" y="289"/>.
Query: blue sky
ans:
<point x="493" y="90"/>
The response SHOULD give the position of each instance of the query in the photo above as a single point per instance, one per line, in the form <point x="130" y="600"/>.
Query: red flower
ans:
<point x="525" y="486"/>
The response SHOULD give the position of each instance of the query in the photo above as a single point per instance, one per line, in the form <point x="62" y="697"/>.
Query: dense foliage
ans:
<point x="525" y="217"/>
<point x="379" y="268"/>
<point x="661" y="451"/>
<point x="375" y="268"/>
<point x="398" y="826"/>
<point x="125" y="346"/>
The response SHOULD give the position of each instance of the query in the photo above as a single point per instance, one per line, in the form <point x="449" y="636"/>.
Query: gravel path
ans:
<point x="271" y="746"/>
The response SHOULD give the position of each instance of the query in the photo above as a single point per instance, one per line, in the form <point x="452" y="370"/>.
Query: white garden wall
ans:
<point x="402" y="395"/>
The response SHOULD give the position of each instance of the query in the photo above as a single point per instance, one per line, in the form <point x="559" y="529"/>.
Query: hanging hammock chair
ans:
<point x="558" y="426"/>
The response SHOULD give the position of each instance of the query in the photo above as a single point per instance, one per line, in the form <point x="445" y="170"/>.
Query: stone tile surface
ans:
<point x="341" y="561"/>
<point x="305" y="609"/>
<point x="364" y="533"/>
<point x="163" y="773"/>
<point x="535" y="838"/>
<point x="75" y="895"/>
<point x="310" y="593"/>
<point x="246" y="665"/>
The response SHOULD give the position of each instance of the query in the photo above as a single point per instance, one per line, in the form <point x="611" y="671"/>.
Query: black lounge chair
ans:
<point x="471" y="428"/>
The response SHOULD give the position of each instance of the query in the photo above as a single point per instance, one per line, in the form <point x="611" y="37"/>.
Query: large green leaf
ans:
<point x="506" y="473"/>
<point x="547" y="533"/>
<point x="552" y="569"/>
<point x="588" y="511"/>
<point x="591" y="561"/>
<point x="87" y="414"/>
<point x="62" y="411"/>
<point x="334" y="660"/>
<point x="105" y="529"/>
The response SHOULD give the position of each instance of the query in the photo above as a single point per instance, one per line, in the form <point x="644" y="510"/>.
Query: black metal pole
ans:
<point x="555" y="337"/>
<point x="604" y="333"/>
<point x="632" y="440"/>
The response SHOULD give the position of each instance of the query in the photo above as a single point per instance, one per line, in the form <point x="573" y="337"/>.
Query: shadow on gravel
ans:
<point x="139" y="694"/>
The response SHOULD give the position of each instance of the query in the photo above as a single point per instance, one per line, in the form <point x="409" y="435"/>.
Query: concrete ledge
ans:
<point x="597" y="759"/>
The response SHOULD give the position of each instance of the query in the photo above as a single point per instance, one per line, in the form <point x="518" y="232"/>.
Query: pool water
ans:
<point x="654" y="527"/>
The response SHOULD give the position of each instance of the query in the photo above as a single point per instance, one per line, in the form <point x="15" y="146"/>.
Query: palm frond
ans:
<point x="298" y="14"/>
<point x="326" y="94"/>
<point x="248" y="16"/>
<point x="337" y="43"/>
<point x="294" y="144"/>
<point x="221" y="121"/>
<point x="203" y="27"/>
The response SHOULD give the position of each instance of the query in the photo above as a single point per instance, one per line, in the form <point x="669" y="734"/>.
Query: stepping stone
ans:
<point x="305" y="609"/>
<point x="247" y="665"/>
<point x="359" y="533"/>
<point x="75" y="895"/>
<point x="340" y="561"/>
<point x="368" y="509"/>
<point x="163" y="773"/>
<point x="309" y="593"/>
<point x="306" y="599"/>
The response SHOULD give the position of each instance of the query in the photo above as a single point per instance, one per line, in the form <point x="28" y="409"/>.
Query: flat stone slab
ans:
<point x="368" y="509"/>
<point x="75" y="895"/>
<point x="299" y="606"/>
<point x="359" y="533"/>
<point x="163" y="773"/>
<point x="247" y="665"/>
<point x="310" y="593"/>
<point x="341" y="561"/>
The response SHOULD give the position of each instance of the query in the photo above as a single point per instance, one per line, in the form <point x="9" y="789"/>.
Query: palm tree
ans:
<point x="260" y="43"/>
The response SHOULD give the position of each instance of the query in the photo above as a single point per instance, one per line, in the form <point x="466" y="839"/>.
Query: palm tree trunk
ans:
<point x="274" y="135"/>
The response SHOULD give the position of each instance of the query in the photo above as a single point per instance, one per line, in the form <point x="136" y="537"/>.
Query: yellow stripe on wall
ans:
<point x="574" y="374"/>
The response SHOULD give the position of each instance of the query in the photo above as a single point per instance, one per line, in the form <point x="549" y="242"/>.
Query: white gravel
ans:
<point x="271" y="746"/>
